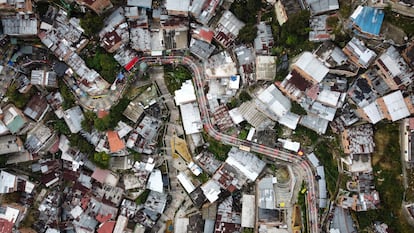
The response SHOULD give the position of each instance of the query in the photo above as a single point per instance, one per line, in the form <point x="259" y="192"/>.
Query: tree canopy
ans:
<point x="246" y="10"/>
<point x="103" y="63"/>
<point x="248" y="33"/>
<point x="101" y="159"/>
<point x="91" y="23"/>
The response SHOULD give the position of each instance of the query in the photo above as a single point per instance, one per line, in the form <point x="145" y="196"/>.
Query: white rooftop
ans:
<point x="247" y="163"/>
<point x="312" y="66"/>
<point x="290" y="120"/>
<point x="329" y="97"/>
<point x="236" y="116"/>
<point x="248" y="211"/>
<point x="177" y="5"/>
<point x="364" y="54"/>
<point x="10" y="215"/>
<point x="211" y="190"/>
<point x="186" y="182"/>
<point x="155" y="181"/>
<point x="396" y="106"/>
<point x="275" y="100"/>
<point x="290" y="145"/>
<point x="140" y="3"/>
<point x="76" y="212"/>
<point x="191" y="118"/>
<point x="186" y="94"/>
<point x="73" y="118"/>
<point x="8" y="181"/>
<point x="234" y="82"/>
<point x="373" y="112"/>
<point x="313" y="159"/>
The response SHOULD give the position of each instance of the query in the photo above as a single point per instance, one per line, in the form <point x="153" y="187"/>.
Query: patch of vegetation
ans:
<point x="409" y="193"/>
<point x="325" y="154"/>
<point x="67" y="95"/>
<point x="41" y="7"/>
<point x="103" y="62"/>
<point x="346" y="9"/>
<point x="115" y="113"/>
<point x="332" y="22"/>
<point x="305" y="136"/>
<point x="203" y="177"/>
<point x="17" y="98"/>
<point x="30" y="219"/>
<point x="246" y="10"/>
<point x="88" y="122"/>
<point x="243" y="134"/>
<point x="3" y="160"/>
<point x="388" y="180"/>
<point x="143" y="197"/>
<point x="132" y="92"/>
<point x="297" y="109"/>
<point x="219" y="150"/>
<point x="174" y="76"/>
<point x="9" y="198"/>
<point x="136" y="156"/>
<point x="248" y="230"/>
<point x="403" y="22"/>
<point x="281" y="74"/>
<point x="61" y="127"/>
<point x="110" y="121"/>
<point x="101" y="159"/>
<point x="91" y="23"/>
<point x="84" y="146"/>
<point x="248" y="33"/>
<point x="244" y="96"/>
<point x="293" y="35"/>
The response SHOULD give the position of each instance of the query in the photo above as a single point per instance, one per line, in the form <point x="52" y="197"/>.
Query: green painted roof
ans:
<point x="17" y="123"/>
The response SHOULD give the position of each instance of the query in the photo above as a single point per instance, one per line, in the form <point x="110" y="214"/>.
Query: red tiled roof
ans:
<point x="107" y="227"/>
<point x="5" y="226"/>
<point x="206" y="35"/>
<point x="115" y="143"/>
<point x="103" y="218"/>
<point x="85" y="202"/>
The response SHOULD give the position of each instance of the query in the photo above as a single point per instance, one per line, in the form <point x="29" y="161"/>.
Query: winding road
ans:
<point x="198" y="78"/>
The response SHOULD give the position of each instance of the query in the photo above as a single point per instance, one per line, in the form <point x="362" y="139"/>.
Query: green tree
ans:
<point x="67" y="95"/>
<point x="103" y="62"/>
<point x="101" y="159"/>
<point x="102" y="124"/>
<point x="297" y="109"/>
<point x="91" y="23"/>
<point x="16" y="97"/>
<point x="248" y="33"/>
<point x="246" y="10"/>
<point x="115" y="113"/>
<point x="89" y="121"/>
<point x="244" y="96"/>
<point x="79" y="142"/>
<point x="248" y="230"/>
<point x="175" y="76"/>
<point x="143" y="197"/>
<point x="61" y="127"/>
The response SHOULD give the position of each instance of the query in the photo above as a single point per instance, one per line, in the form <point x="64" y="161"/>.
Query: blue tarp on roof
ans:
<point x="368" y="19"/>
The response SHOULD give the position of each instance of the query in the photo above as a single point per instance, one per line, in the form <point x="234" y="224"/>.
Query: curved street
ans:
<point x="198" y="78"/>
<point x="272" y="153"/>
